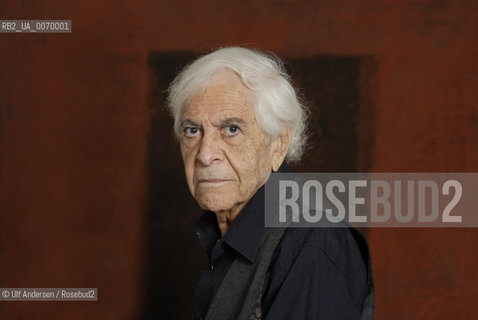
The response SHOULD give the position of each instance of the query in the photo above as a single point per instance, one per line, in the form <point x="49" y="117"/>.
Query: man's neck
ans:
<point x="227" y="217"/>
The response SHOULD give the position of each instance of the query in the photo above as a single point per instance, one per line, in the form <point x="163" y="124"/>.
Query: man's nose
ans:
<point x="209" y="149"/>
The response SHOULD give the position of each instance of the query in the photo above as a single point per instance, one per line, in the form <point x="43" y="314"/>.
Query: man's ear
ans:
<point x="280" y="148"/>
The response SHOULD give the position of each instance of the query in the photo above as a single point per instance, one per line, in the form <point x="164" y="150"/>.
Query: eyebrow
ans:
<point x="222" y="123"/>
<point x="229" y="121"/>
<point x="189" y="122"/>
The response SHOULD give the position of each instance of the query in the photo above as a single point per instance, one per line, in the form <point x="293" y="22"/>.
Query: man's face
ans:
<point x="225" y="154"/>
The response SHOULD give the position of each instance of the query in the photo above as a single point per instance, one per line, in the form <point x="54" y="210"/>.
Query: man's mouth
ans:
<point x="212" y="181"/>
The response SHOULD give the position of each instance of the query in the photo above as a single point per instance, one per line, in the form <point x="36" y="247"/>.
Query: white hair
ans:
<point x="276" y="104"/>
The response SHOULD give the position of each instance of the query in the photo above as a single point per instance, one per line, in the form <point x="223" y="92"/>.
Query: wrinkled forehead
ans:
<point x="224" y="93"/>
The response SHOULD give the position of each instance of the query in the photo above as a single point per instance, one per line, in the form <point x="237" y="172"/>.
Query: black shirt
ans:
<point x="315" y="273"/>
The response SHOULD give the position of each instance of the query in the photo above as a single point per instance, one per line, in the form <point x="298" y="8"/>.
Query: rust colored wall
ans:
<point x="74" y="134"/>
<point x="72" y="159"/>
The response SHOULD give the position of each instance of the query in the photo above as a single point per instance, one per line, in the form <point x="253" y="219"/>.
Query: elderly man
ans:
<point x="238" y="119"/>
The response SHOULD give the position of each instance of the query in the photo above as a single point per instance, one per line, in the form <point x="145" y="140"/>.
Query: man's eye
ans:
<point x="231" y="130"/>
<point x="191" y="131"/>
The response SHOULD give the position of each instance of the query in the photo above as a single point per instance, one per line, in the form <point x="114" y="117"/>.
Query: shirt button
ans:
<point x="211" y="267"/>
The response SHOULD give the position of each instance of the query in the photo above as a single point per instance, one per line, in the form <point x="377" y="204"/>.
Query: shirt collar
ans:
<point x="207" y="231"/>
<point x="246" y="234"/>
